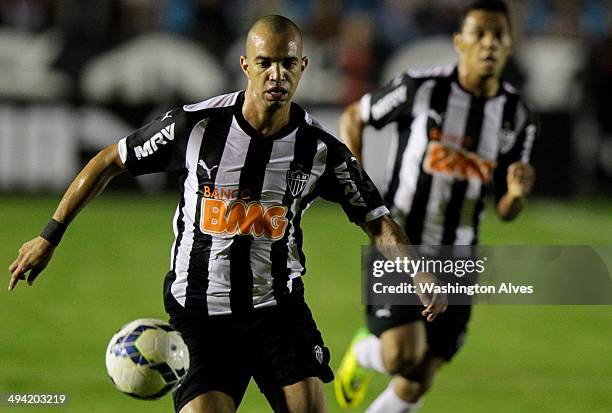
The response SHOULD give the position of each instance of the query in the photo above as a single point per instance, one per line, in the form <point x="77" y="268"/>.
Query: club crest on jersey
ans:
<point x="507" y="137"/>
<point x="296" y="181"/>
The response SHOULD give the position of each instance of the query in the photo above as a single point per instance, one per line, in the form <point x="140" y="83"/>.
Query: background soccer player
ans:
<point x="461" y="130"/>
<point x="249" y="165"/>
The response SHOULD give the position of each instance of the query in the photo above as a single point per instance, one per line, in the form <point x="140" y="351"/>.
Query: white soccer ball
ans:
<point x="147" y="358"/>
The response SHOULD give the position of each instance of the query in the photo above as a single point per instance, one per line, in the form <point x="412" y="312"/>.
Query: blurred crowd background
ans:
<point x="76" y="76"/>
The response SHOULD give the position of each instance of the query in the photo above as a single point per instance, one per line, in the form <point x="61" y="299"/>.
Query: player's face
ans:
<point x="484" y="43"/>
<point x="273" y="66"/>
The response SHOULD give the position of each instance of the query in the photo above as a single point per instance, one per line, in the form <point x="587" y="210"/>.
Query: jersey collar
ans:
<point x="296" y="118"/>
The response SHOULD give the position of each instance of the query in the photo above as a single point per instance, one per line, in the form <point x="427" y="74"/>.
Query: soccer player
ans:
<point x="460" y="129"/>
<point x="250" y="163"/>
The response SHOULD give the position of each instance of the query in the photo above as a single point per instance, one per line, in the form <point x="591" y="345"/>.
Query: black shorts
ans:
<point x="277" y="346"/>
<point x="445" y="335"/>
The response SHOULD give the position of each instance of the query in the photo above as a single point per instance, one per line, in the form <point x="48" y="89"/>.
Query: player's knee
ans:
<point x="419" y="380"/>
<point x="401" y="360"/>
<point x="306" y="396"/>
<point x="408" y="390"/>
<point x="213" y="401"/>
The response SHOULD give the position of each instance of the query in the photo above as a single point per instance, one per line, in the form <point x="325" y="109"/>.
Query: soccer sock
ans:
<point x="390" y="402"/>
<point x="369" y="354"/>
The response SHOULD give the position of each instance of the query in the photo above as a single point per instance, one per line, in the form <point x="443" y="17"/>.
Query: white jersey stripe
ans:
<point x="228" y="176"/>
<point x="274" y="186"/>
<point x="530" y="132"/>
<point x="488" y="146"/>
<point x="417" y="143"/>
<point x="179" y="286"/>
<point x="215" y="102"/>
<point x="453" y="130"/>
<point x="411" y="164"/>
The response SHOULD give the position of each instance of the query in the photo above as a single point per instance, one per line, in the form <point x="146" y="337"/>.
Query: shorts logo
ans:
<point x="152" y="145"/>
<point x="384" y="312"/>
<point x="296" y="181"/>
<point x="318" y="352"/>
<point x="220" y="217"/>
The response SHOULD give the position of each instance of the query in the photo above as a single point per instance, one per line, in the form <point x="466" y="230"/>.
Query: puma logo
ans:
<point x="206" y="168"/>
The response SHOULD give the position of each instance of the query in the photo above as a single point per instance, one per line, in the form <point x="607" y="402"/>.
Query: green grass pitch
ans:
<point x="110" y="266"/>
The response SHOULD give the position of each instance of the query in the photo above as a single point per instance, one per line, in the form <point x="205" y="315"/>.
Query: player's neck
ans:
<point x="477" y="85"/>
<point x="266" y="122"/>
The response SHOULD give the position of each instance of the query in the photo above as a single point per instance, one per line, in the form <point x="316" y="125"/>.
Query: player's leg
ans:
<point x="305" y="396"/>
<point x="403" y="347"/>
<point x="210" y="402"/>
<point x="403" y="395"/>
<point x="219" y="370"/>
<point x="292" y="361"/>
<point x="445" y="336"/>
<point x="397" y="345"/>
<point x="412" y="388"/>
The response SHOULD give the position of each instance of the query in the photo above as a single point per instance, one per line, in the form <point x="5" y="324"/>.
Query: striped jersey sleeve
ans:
<point x="346" y="183"/>
<point x="159" y="146"/>
<point x="388" y="103"/>
<point x="515" y="148"/>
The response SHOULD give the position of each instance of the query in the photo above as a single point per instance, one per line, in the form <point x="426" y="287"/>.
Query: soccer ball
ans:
<point x="147" y="358"/>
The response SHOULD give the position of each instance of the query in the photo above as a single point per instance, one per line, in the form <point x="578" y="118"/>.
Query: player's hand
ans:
<point x="33" y="256"/>
<point x="435" y="303"/>
<point x="520" y="179"/>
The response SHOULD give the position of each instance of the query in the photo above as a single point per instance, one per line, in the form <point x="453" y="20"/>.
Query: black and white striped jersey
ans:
<point x="449" y="147"/>
<point x="238" y="242"/>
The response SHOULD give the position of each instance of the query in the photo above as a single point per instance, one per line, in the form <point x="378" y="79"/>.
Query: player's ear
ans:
<point x="304" y="63"/>
<point x="458" y="42"/>
<point x="244" y="65"/>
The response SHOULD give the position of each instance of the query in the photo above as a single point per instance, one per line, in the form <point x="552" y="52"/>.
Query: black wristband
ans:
<point x="53" y="232"/>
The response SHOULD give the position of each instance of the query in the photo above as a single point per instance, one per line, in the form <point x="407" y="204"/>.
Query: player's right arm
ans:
<point x="158" y="146"/>
<point x="35" y="254"/>
<point x="378" y="108"/>
<point x="351" y="128"/>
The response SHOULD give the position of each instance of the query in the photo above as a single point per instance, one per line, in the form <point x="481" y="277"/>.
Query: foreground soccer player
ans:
<point x="460" y="129"/>
<point x="250" y="164"/>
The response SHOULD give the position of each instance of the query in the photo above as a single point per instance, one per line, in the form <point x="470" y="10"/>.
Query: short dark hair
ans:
<point x="499" y="6"/>
<point x="278" y="24"/>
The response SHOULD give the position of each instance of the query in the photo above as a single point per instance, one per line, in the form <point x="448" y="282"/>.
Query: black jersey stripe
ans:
<point x="404" y="131"/>
<point x="180" y="223"/>
<point x="509" y="114"/>
<point x="507" y="123"/>
<point x="299" y="235"/>
<point x="211" y="151"/>
<point x="305" y="149"/>
<point x="251" y="182"/>
<point x="416" y="217"/>
<point x="477" y="211"/>
<point x="473" y="129"/>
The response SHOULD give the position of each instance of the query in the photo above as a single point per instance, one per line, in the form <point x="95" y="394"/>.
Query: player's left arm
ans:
<point x="519" y="180"/>
<point x="514" y="175"/>
<point x="388" y="237"/>
<point x="346" y="183"/>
